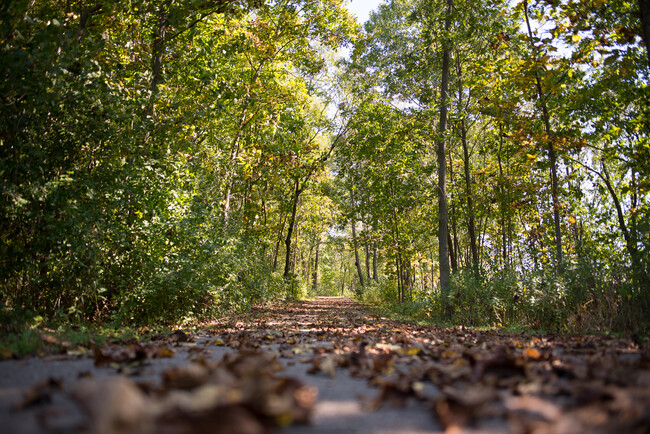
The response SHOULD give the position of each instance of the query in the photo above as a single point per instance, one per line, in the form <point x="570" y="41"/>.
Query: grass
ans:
<point x="40" y="340"/>
<point x="414" y="312"/>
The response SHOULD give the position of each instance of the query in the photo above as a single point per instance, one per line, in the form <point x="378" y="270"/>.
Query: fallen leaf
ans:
<point x="185" y="377"/>
<point x="114" y="406"/>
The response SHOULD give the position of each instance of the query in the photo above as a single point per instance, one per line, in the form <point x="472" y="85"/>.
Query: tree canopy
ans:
<point x="483" y="162"/>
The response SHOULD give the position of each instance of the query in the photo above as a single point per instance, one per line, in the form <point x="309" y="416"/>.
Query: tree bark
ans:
<point x="292" y="222"/>
<point x="502" y="202"/>
<point x="374" y="261"/>
<point x="87" y="13"/>
<point x="442" y="165"/>
<point x="452" y="239"/>
<point x="638" y="267"/>
<point x="158" y="46"/>
<point x="470" y="200"/>
<point x="453" y="253"/>
<point x="315" y="273"/>
<point x="277" y="244"/>
<point x="551" y="149"/>
<point x="644" y="10"/>
<point x="357" y="263"/>
<point x="367" y="251"/>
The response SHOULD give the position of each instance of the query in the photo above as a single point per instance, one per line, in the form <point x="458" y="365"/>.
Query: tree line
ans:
<point x="483" y="162"/>
<point x="153" y="153"/>
<point x="498" y="157"/>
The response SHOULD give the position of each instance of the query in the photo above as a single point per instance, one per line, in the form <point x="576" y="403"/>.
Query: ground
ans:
<point x="331" y="365"/>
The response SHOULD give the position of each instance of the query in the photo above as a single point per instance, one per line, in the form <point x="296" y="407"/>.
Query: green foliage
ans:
<point x="161" y="161"/>
<point x="579" y="300"/>
<point x="145" y="150"/>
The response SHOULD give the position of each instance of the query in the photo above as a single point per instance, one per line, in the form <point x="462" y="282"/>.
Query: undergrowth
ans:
<point x="579" y="300"/>
<point x="24" y="332"/>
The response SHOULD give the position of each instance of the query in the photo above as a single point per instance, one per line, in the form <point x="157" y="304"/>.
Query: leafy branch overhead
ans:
<point x="174" y="161"/>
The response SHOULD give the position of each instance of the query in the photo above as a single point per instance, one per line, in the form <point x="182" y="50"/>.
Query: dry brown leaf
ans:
<point x="114" y="406"/>
<point x="185" y="377"/>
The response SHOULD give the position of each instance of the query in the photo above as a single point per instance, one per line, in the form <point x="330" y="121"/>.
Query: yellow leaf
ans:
<point x="413" y="351"/>
<point x="572" y="220"/>
<point x="450" y="354"/>
<point x="576" y="38"/>
<point x="460" y="362"/>
<point x="165" y="353"/>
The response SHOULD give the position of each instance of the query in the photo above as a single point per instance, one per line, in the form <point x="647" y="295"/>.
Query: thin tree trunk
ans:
<point x="433" y="278"/>
<point x="315" y="273"/>
<point x="550" y="147"/>
<point x="234" y="148"/>
<point x="639" y="268"/>
<point x="87" y="13"/>
<point x="502" y="201"/>
<point x="470" y="205"/>
<point x="644" y="10"/>
<point x="374" y="262"/>
<point x="294" y="261"/>
<point x="400" y="278"/>
<point x="158" y="46"/>
<point x="442" y="165"/>
<point x="367" y="249"/>
<point x="277" y="244"/>
<point x="453" y="253"/>
<point x="453" y="245"/>
<point x="357" y="263"/>
<point x="292" y="222"/>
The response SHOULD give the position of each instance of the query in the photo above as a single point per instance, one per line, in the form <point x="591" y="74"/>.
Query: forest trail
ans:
<point x="331" y="365"/>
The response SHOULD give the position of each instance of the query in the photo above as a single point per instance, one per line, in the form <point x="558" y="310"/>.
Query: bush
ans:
<point x="584" y="297"/>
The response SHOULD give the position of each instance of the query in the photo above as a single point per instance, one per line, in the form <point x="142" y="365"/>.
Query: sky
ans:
<point x="361" y="8"/>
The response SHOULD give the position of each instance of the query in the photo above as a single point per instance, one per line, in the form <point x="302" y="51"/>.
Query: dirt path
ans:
<point x="329" y="365"/>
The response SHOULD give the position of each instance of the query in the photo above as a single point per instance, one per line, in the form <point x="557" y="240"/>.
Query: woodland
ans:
<point x="482" y="163"/>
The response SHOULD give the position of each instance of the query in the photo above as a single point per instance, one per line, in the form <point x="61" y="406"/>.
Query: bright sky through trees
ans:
<point x="361" y="8"/>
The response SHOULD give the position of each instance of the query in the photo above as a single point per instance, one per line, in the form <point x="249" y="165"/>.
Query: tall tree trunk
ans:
<point x="471" y="225"/>
<point x="292" y="222"/>
<point x="639" y="269"/>
<point x="315" y="273"/>
<point x="294" y="260"/>
<point x="452" y="240"/>
<point x="244" y="121"/>
<point x="442" y="164"/>
<point x="644" y="10"/>
<point x="374" y="261"/>
<point x="157" y="51"/>
<point x="277" y="244"/>
<point x="550" y="147"/>
<point x="400" y="278"/>
<point x="502" y="202"/>
<point x="357" y="263"/>
<point x="367" y="250"/>
<point x="453" y="253"/>
<point x="470" y="204"/>
<point x="158" y="46"/>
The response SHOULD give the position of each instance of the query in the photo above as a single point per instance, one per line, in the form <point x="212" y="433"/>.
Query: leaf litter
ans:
<point x="466" y="378"/>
